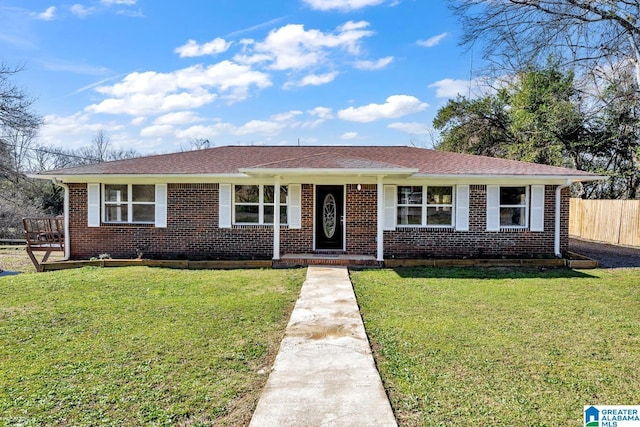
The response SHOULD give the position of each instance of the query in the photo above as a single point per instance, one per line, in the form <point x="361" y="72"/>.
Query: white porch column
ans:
<point x="380" y="235"/>
<point x="276" y="218"/>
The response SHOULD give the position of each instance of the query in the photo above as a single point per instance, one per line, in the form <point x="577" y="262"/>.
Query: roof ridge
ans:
<point x="289" y="159"/>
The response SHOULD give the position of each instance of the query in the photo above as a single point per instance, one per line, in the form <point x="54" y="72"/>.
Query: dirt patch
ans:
<point x="609" y="256"/>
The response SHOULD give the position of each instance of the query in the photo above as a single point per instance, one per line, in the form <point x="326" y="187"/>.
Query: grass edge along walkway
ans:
<point x="139" y="346"/>
<point x="502" y="347"/>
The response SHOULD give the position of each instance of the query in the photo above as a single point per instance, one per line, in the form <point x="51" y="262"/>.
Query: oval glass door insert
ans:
<point x="329" y="216"/>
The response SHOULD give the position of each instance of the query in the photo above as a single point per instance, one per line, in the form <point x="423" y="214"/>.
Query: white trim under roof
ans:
<point x="365" y="176"/>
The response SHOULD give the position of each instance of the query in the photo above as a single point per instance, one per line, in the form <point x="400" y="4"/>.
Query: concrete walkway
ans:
<point x="324" y="374"/>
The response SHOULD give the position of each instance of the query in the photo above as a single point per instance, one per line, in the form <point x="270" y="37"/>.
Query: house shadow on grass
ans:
<point x="489" y="273"/>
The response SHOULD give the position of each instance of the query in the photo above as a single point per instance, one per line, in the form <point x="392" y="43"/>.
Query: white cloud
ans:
<point x="349" y="135"/>
<point x="395" y="106"/>
<point x="157" y="131"/>
<point x="433" y="41"/>
<point x="341" y="5"/>
<point x="48" y="15"/>
<point x="253" y="127"/>
<point x="193" y="49"/>
<point x="138" y="121"/>
<point x="259" y="127"/>
<point x="81" y="11"/>
<point x="313" y="80"/>
<point x="74" y="130"/>
<point x="312" y="124"/>
<point x="115" y="2"/>
<point x="145" y="104"/>
<point x="293" y="48"/>
<point x="284" y="117"/>
<point x="410" y="128"/>
<point x="200" y="131"/>
<point x="322" y="112"/>
<point x="374" y="65"/>
<point x="177" y="118"/>
<point x="450" y="88"/>
<point x="144" y="93"/>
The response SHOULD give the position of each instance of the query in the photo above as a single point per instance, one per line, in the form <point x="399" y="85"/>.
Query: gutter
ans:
<point x="556" y="237"/>
<point x="67" y="247"/>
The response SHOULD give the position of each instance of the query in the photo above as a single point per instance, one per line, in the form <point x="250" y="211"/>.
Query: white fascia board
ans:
<point x="501" y="179"/>
<point x="142" y="178"/>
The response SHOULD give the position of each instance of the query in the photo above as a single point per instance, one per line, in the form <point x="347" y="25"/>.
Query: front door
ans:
<point x="329" y="217"/>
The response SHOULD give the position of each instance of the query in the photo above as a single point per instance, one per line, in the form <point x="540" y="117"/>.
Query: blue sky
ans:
<point x="156" y="74"/>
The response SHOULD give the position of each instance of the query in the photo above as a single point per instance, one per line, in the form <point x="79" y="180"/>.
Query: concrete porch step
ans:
<point x="293" y="260"/>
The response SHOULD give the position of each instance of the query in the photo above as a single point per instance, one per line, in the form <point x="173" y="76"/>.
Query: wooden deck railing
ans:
<point x="43" y="235"/>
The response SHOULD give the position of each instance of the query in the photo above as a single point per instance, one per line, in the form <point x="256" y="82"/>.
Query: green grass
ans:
<point x="139" y="346"/>
<point x="459" y="347"/>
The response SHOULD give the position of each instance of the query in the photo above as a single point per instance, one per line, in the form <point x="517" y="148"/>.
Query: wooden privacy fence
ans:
<point x="610" y="221"/>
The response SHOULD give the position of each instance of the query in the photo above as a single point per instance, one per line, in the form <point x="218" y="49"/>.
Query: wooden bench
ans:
<point x="43" y="235"/>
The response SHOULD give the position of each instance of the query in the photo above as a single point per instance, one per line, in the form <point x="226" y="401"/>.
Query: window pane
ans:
<point x="268" y="193"/>
<point x="283" y="215"/>
<point x="512" y="217"/>
<point x="268" y="214"/>
<point x="144" y="213"/>
<point x="410" y="195"/>
<point x="247" y="194"/>
<point x="513" y="195"/>
<point x="439" y="216"/>
<point x="116" y="213"/>
<point x="439" y="195"/>
<point x="409" y="215"/>
<point x="283" y="194"/>
<point x="116" y="193"/>
<point x="143" y="193"/>
<point x="247" y="214"/>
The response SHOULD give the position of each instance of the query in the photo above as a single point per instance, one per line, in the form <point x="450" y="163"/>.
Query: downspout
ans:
<point x="556" y="238"/>
<point x="67" y="246"/>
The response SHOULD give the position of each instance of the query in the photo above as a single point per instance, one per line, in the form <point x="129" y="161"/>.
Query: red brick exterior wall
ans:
<point x="361" y="218"/>
<point x="477" y="242"/>
<point x="192" y="230"/>
<point x="299" y="241"/>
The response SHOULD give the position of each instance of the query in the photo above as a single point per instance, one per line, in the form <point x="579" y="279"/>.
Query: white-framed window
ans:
<point x="514" y="207"/>
<point x="409" y="205"/>
<point x="129" y="203"/>
<point x="425" y="206"/>
<point x="255" y="204"/>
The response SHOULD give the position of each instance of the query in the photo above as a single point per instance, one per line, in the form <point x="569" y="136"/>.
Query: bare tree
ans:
<point x="15" y="104"/>
<point x="516" y="33"/>
<point x="18" y="123"/>
<point x="101" y="150"/>
<point x="197" y="144"/>
<point x="20" y="143"/>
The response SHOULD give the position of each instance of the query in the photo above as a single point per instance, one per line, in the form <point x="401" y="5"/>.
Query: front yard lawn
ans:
<point x="461" y="347"/>
<point x="139" y="346"/>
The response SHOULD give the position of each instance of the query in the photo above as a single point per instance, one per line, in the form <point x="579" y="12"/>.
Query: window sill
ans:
<point x="513" y="229"/>
<point x="258" y="226"/>
<point x="425" y="228"/>
<point x="127" y="224"/>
